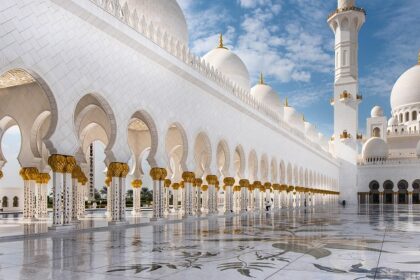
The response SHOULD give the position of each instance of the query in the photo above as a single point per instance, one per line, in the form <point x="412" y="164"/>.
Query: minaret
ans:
<point x="346" y="22"/>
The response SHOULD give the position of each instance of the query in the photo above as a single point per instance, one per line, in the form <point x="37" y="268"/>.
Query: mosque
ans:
<point x="120" y="72"/>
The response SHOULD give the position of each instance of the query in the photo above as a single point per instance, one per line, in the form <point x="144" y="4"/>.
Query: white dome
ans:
<point x="392" y="121"/>
<point x="267" y="95"/>
<point x="166" y="14"/>
<point x="406" y="90"/>
<point x="230" y="65"/>
<point x="291" y="116"/>
<point x="375" y="148"/>
<point x="345" y="3"/>
<point x="377" y="112"/>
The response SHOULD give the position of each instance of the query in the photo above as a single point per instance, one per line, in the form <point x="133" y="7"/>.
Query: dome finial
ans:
<point x="418" y="59"/>
<point x="262" y="79"/>
<point x="303" y="118"/>
<point x="221" y="45"/>
<point x="286" y="103"/>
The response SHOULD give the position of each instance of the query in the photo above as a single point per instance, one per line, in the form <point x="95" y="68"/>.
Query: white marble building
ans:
<point x="120" y="72"/>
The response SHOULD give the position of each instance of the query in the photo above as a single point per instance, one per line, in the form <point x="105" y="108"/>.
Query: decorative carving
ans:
<point x="175" y="186"/>
<point x="43" y="178"/>
<point x="163" y="175"/>
<point x="204" y="188"/>
<point x="198" y="182"/>
<point x="58" y="163"/>
<point x="115" y="169"/>
<point x="267" y="186"/>
<point x="167" y="183"/>
<point x="188" y="177"/>
<point x="211" y="179"/>
<point x="71" y="164"/>
<point x="156" y="173"/>
<point x="31" y="173"/>
<point x="244" y="183"/>
<point x="124" y="170"/>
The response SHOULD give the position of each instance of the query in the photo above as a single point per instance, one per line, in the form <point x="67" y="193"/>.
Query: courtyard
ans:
<point x="365" y="242"/>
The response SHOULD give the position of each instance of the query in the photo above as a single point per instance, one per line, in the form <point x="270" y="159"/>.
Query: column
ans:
<point x="251" y="202"/>
<point x="108" y="196"/>
<point x="197" y="194"/>
<point x="123" y="192"/>
<point x="189" y="179"/>
<point x="68" y="190"/>
<point x="267" y="192"/>
<point x="243" y="200"/>
<point x="212" y="196"/>
<point x="167" y="185"/>
<point x="76" y="174"/>
<point x="229" y="182"/>
<point x="29" y="176"/>
<point x="157" y="175"/>
<point x="410" y="194"/>
<point x="276" y="204"/>
<point x="136" y="184"/>
<point x="381" y="195"/>
<point x="205" y="195"/>
<point x="82" y="194"/>
<point x="117" y="171"/>
<point x="58" y="164"/>
<point x="175" y="202"/>
<point x="42" y="200"/>
<point x="257" y="196"/>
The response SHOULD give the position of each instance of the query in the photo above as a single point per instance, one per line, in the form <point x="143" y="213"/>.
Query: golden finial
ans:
<point x="303" y="118"/>
<point x="286" y="103"/>
<point x="221" y="45"/>
<point x="262" y="79"/>
<point x="418" y="58"/>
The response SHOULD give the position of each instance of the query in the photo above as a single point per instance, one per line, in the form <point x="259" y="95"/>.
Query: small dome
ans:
<point x="229" y="64"/>
<point x="406" y="90"/>
<point x="346" y="3"/>
<point x="266" y="94"/>
<point x="377" y="112"/>
<point x="375" y="148"/>
<point x="166" y="14"/>
<point x="393" y="121"/>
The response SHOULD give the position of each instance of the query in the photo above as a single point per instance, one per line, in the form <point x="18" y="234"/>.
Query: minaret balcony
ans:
<point x="345" y="136"/>
<point x="359" y="136"/>
<point x="345" y="96"/>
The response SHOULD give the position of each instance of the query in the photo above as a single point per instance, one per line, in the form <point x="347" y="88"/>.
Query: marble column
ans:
<point x="176" y="189"/>
<point x="29" y="176"/>
<point x="267" y="194"/>
<point x="117" y="171"/>
<point x="229" y="182"/>
<point x="68" y="190"/>
<point x="75" y="191"/>
<point x="212" y="196"/>
<point x="243" y="200"/>
<point x="251" y="203"/>
<point x="410" y="195"/>
<point x="57" y="163"/>
<point x="198" y="182"/>
<point x="81" y="209"/>
<point x="136" y="184"/>
<point x="167" y="191"/>
<point x="205" y="199"/>
<point x="42" y="195"/>
<point x="158" y="175"/>
<point x="189" y="179"/>
<point x="276" y="198"/>
<point x="257" y="195"/>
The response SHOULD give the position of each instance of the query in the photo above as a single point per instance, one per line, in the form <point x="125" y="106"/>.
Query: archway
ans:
<point x="264" y="168"/>
<point x="223" y="159"/>
<point x="273" y="169"/>
<point x="388" y="192"/>
<point x="374" y="192"/>
<point x="376" y="132"/>
<point x="402" y="192"/>
<point x="202" y="155"/>
<point x="176" y="146"/>
<point x="239" y="162"/>
<point x="253" y="166"/>
<point x="282" y="172"/>
<point x="416" y="191"/>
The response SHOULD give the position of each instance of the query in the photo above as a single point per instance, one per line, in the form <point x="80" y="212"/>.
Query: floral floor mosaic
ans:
<point x="335" y="243"/>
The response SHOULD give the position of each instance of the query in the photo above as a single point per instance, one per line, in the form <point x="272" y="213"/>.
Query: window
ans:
<point x="4" y="202"/>
<point x="376" y="132"/>
<point x="401" y="117"/>
<point x="414" y="116"/>
<point x="15" y="201"/>
<point x="407" y="116"/>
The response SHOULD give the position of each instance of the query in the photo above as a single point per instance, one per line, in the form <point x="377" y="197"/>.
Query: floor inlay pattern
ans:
<point x="353" y="243"/>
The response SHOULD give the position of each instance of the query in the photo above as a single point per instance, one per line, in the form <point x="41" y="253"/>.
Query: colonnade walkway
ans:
<point x="364" y="242"/>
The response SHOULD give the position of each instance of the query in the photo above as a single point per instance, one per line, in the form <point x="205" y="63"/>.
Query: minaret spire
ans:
<point x="221" y="45"/>
<point x="418" y="59"/>
<point x="262" y="79"/>
<point x="286" y="103"/>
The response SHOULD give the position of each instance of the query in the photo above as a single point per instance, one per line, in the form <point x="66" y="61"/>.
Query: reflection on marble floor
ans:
<point x="352" y="243"/>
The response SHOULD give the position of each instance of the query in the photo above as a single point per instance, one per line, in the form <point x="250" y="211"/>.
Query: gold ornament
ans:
<point x="71" y="164"/>
<point x="124" y="170"/>
<point x="136" y="184"/>
<point x="204" y="188"/>
<point x="32" y="173"/>
<point x="156" y="173"/>
<point x="211" y="179"/>
<point x="229" y="181"/>
<point x="167" y="183"/>
<point x="57" y="163"/>
<point x="163" y="175"/>
<point x="244" y="183"/>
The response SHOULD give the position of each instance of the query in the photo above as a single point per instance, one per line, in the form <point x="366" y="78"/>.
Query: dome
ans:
<point x="266" y="94"/>
<point x="392" y="121"/>
<point x="406" y="90"/>
<point x="346" y="3"/>
<point x="229" y="64"/>
<point x="166" y="14"/>
<point x="375" y="148"/>
<point x="377" y="112"/>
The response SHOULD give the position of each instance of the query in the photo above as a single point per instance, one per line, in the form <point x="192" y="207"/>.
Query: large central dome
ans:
<point x="406" y="90"/>
<point x="166" y="14"/>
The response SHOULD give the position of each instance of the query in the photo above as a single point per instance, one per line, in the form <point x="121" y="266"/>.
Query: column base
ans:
<point x="189" y="218"/>
<point x="29" y="220"/>
<point x="136" y="213"/>
<point x="59" y="228"/>
<point x="157" y="220"/>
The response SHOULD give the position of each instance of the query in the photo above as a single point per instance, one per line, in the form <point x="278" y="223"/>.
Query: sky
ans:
<point x="292" y="44"/>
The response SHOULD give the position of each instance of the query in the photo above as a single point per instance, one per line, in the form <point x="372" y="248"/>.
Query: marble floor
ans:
<point x="332" y="243"/>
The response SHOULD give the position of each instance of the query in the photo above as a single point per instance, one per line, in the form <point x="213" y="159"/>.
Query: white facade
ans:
<point x="11" y="199"/>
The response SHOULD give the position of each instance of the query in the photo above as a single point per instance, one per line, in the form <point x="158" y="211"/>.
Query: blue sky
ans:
<point x="290" y="41"/>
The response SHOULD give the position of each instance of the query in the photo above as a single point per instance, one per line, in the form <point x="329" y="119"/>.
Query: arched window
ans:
<point x="376" y="132"/>
<point x="15" y="201"/>
<point x="414" y="116"/>
<point x="407" y="116"/>
<point x="401" y="117"/>
<point x="4" y="202"/>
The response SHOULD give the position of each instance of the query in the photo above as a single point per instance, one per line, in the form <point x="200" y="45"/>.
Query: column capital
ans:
<point x="118" y="169"/>
<point x="124" y="170"/>
<point x="108" y="180"/>
<point x="175" y="186"/>
<point x="1" y="174"/>
<point x="167" y="183"/>
<point x="257" y="184"/>
<point x="267" y="185"/>
<point x="163" y="175"/>
<point x="198" y="182"/>
<point x="204" y="188"/>
<point x="70" y="164"/>
<point x="156" y="173"/>
<point x="276" y="187"/>
<point x="31" y="173"/>
<point x="212" y="179"/>
<point x="76" y="173"/>
<point x="244" y="183"/>
<point x="58" y="163"/>
<point x="43" y="178"/>
<point x="188" y="177"/>
<point x="229" y="181"/>
<point x="136" y="184"/>
<point x="236" y="188"/>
